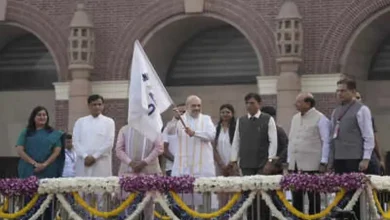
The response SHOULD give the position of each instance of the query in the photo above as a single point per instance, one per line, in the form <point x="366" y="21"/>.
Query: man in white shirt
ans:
<point x="93" y="140"/>
<point x="70" y="158"/>
<point x="308" y="148"/>
<point x="171" y="142"/>
<point x="254" y="147"/>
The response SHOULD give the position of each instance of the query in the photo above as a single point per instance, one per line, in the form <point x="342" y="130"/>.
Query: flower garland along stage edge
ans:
<point x="385" y="214"/>
<point x="237" y="183"/>
<point x="79" y="184"/>
<point x="18" y="187"/>
<point x="325" y="183"/>
<point x="321" y="183"/>
<point x="22" y="211"/>
<point x="145" y="183"/>
<point x="186" y="184"/>
<point x="196" y="214"/>
<point x="98" y="213"/>
<point x="302" y="215"/>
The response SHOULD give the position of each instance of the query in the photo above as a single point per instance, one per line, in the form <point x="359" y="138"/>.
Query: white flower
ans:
<point x="237" y="184"/>
<point x="80" y="184"/>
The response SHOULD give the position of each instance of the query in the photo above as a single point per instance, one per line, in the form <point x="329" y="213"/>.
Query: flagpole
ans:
<point x="180" y="118"/>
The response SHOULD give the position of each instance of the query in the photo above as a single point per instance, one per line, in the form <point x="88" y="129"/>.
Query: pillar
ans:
<point x="81" y="57"/>
<point x="289" y="42"/>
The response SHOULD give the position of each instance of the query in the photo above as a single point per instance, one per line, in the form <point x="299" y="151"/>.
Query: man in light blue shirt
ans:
<point x="70" y="158"/>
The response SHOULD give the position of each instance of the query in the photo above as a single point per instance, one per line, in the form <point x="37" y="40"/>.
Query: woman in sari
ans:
<point x="40" y="147"/>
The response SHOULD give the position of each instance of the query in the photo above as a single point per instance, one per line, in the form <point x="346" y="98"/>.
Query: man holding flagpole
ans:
<point x="140" y="142"/>
<point x="194" y="154"/>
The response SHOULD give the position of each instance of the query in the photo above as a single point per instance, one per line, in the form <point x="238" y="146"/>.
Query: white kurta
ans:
<point x="94" y="137"/>
<point x="194" y="155"/>
<point x="172" y="141"/>
<point x="224" y="147"/>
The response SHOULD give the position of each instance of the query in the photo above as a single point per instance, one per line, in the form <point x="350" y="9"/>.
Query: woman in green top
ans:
<point x="40" y="147"/>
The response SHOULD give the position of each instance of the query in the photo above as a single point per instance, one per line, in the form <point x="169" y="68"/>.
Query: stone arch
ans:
<point x="364" y="43"/>
<point x="43" y="27"/>
<point x="334" y="41"/>
<point x="234" y="12"/>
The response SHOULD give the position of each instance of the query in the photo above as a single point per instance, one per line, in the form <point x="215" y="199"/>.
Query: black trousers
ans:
<point x="314" y="198"/>
<point x="348" y="166"/>
<point x="253" y="210"/>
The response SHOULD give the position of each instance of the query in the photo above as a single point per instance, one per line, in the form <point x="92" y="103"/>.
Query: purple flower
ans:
<point x="325" y="183"/>
<point x="17" y="187"/>
<point x="144" y="183"/>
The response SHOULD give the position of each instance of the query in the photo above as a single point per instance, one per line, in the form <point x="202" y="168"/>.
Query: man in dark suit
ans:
<point x="282" y="142"/>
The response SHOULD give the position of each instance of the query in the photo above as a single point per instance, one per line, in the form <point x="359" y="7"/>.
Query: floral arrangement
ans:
<point x="79" y="184"/>
<point x="326" y="183"/>
<point x="237" y="183"/>
<point x="145" y="183"/>
<point x="380" y="182"/>
<point x="164" y="190"/>
<point x="17" y="187"/>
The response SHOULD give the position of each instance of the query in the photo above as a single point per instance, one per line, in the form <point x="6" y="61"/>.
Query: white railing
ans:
<point x="249" y="197"/>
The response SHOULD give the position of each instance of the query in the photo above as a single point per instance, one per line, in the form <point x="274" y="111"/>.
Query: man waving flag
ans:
<point x="148" y="97"/>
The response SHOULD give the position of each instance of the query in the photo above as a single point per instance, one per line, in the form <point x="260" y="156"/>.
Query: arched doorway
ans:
<point x="207" y="57"/>
<point x="367" y="59"/>
<point x="27" y="73"/>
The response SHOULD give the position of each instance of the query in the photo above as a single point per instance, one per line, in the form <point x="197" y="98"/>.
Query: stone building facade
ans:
<point x="217" y="49"/>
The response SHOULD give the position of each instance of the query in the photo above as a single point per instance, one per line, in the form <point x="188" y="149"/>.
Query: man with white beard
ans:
<point x="194" y="154"/>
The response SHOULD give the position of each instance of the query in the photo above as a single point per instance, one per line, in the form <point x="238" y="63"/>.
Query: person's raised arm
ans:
<point x="208" y="134"/>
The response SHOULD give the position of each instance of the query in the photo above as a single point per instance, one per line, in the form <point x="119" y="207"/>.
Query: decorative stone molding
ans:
<point x="316" y="83"/>
<point x="193" y="6"/>
<point x="111" y="89"/>
<point x="320" y="83"/>
<point x="3" y="9"/>
<point x="267" y="84"/>
<point x="107" y="89"/>
<point x="61" y="91"/>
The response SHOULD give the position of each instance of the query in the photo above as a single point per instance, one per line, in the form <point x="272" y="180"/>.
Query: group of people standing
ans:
<point x="191" y="144"/>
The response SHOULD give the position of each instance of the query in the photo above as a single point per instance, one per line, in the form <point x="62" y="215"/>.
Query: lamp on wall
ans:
<point x="81" y="40"/>
<point x="289" y="32"/>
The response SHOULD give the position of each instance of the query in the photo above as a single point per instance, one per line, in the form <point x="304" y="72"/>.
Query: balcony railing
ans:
<point x="188" y="198"/>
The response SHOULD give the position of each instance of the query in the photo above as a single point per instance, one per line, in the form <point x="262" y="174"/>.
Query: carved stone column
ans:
<point x="289" y="41"/>
<point x="81" y="57"/>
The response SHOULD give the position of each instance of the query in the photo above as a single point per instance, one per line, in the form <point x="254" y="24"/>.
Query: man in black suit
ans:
<point x="282" y="141"/>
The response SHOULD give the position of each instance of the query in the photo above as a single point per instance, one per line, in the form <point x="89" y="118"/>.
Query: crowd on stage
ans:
<point x="192" y="144"/>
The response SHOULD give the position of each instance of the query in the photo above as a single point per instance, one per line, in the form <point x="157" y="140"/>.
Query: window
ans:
<point x="380" y="63"/>
<point x="26" y="64"/>
<point x="214" y="57"/>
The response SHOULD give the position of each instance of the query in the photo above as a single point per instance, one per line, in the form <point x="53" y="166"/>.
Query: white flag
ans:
<point x="148" y="97"/>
